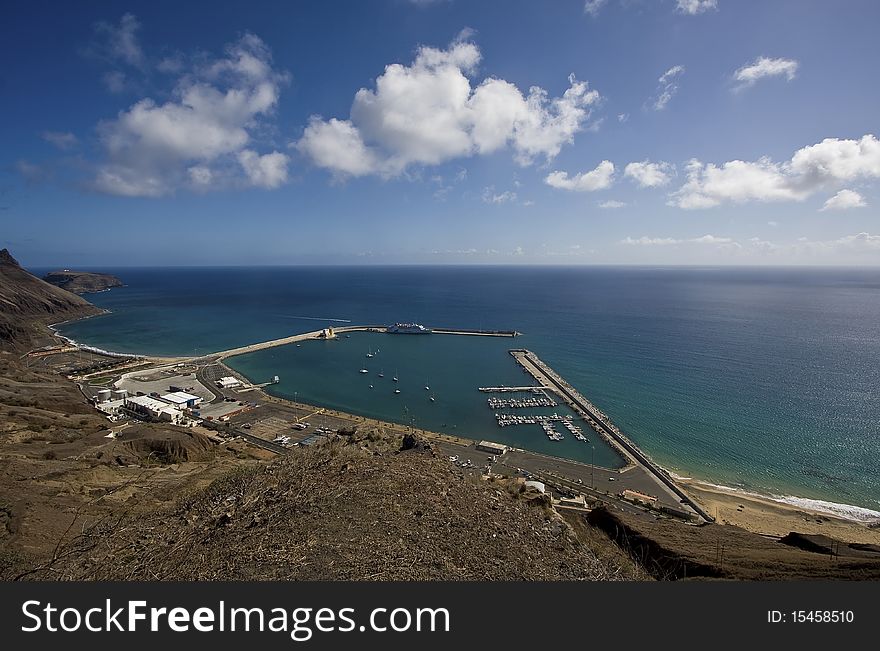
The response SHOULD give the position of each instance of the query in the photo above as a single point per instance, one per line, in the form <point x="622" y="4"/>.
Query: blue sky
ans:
<point x="393" y="131"/>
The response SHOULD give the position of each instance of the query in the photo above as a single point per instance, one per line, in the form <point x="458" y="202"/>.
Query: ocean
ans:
<point x="766" y="380"/>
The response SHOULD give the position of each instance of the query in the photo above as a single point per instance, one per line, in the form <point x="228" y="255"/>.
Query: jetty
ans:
<point x="601" y="423"/>
<point x="333" y="333"/>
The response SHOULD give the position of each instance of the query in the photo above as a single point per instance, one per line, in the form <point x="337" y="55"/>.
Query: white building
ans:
<point x="147" y="406"/>
<point x="228" y="382"/>
<point x="182" y="400"/>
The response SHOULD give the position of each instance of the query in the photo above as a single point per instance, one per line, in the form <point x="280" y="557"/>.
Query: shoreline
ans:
<point x="703" y="489"/>
<point x="771" y="517"/>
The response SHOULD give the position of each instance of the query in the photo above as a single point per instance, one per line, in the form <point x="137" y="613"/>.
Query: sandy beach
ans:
<point x="769" y="517"/>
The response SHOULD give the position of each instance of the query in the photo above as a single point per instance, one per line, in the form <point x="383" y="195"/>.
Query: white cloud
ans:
<point x="490" y="196"/>
<point x="844" y="200"/>
<point x="337" y="145"/>
<point x="693" y="7"/>
<point x="267" y="171"/>
<point x="670" y="241"/>
<point x="623" y="117"/>
<point x="611" y="204"/>
<point x="826" y="164"/>
<point x="122" y="41"/>
<point x="428" y="112"/>
<point x="592" y="7"/>
<point x="61" y="139"/>
<point x="765" y="67"/>
<point x="597" y="179"/>
<point x="648" y="174"/>
<point x="201" y="137"/>
<point x="668" y="87"/>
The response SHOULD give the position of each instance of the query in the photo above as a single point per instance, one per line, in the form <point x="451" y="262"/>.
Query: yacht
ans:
<point x="397" y="391"/>
<point x="363" y="370"/>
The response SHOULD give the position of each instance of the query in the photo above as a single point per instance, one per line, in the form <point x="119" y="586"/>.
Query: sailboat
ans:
<point x="395" y="376"/>
<point x="427" y="388"/>
<point x="382" y="373"/>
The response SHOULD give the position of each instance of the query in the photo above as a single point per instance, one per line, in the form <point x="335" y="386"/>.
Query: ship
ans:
<point x="409" y="329"/>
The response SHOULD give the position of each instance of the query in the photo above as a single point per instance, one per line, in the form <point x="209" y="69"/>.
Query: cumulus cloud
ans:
<point x="826" y="164"/>
<point x="429" y="112"/>
<point x="597" y="179"/>
<point x="765" y="67"/>
<point x="61" y="139"/>
<point x="201" y="137"/>
<point x="648" y="174"/>
<point x="611" y="204"/>
<point x="692" y="7"/>
<point x="668" y="87"/>
<point x="844" y="200"/>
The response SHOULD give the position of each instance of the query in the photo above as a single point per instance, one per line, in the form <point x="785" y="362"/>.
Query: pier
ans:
<point x="323" y="334"/>
<point x="600" y="422"/>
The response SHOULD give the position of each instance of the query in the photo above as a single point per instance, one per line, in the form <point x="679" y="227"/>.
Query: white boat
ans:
<point x="432" y="397"/>
<point x="363" y="370"/>
<point x="381" y="373"/>
<point x="395" y="376"/>
<point x="397" y="391"/>
<point x="370" y="353"/>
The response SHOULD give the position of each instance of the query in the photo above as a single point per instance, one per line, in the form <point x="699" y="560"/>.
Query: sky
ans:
<point x="647" y="132"/>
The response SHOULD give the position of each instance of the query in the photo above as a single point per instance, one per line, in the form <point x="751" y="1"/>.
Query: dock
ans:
<point x="336" y="331"/>
<point x="600" y="422"/>
<point x="476" y="333"/>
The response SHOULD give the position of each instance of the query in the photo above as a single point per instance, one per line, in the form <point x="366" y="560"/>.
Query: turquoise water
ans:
<point x="763" y="379"/>
<point x="327" y="373"/>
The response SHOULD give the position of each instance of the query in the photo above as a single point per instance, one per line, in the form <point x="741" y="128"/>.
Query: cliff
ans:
<point x="28" y="304"/>
<point x="82" y="282"/>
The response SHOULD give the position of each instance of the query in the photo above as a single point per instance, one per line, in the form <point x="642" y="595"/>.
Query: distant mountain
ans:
<point x="28" y="304"/>
<point x="82" y="282"/>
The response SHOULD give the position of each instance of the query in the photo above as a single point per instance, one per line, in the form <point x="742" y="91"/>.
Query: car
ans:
<point x="611" y="479"/>
<point x="580" y="481"/>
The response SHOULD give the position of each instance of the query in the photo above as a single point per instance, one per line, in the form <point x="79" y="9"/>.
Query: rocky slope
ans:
<point x="27" y="304"/>
<point x="82" y="282"/>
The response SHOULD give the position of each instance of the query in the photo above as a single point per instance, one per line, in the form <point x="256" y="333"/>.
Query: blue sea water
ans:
<point x="767" y="380"/>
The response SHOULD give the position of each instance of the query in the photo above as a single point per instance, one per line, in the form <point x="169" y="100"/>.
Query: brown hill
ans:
<point x="343" y="511"/>
<point x="27" y="304"/>
<point x="82" y="282"/>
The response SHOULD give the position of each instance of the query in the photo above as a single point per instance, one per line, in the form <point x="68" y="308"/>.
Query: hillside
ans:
<point x="28" y="304"/>
<point x="82" y="282"/>
<point x="346" y="510"/>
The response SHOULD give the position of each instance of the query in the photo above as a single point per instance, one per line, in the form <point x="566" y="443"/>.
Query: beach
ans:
<point x="766" y="516"/>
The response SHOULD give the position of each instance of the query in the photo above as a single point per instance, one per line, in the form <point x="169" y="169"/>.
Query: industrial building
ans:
<point x="153" y="408"/>
<point x="181" y="400"/>
<point x="228" y="382"/>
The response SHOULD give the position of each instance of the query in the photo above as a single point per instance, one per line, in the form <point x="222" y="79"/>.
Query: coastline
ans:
<point x="774" y="515"/>
<point x="770" y="516"/>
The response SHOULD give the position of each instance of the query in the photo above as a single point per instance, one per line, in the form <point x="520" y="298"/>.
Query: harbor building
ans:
<point x="228" y="382"/>
<point x="491" y="448"/>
